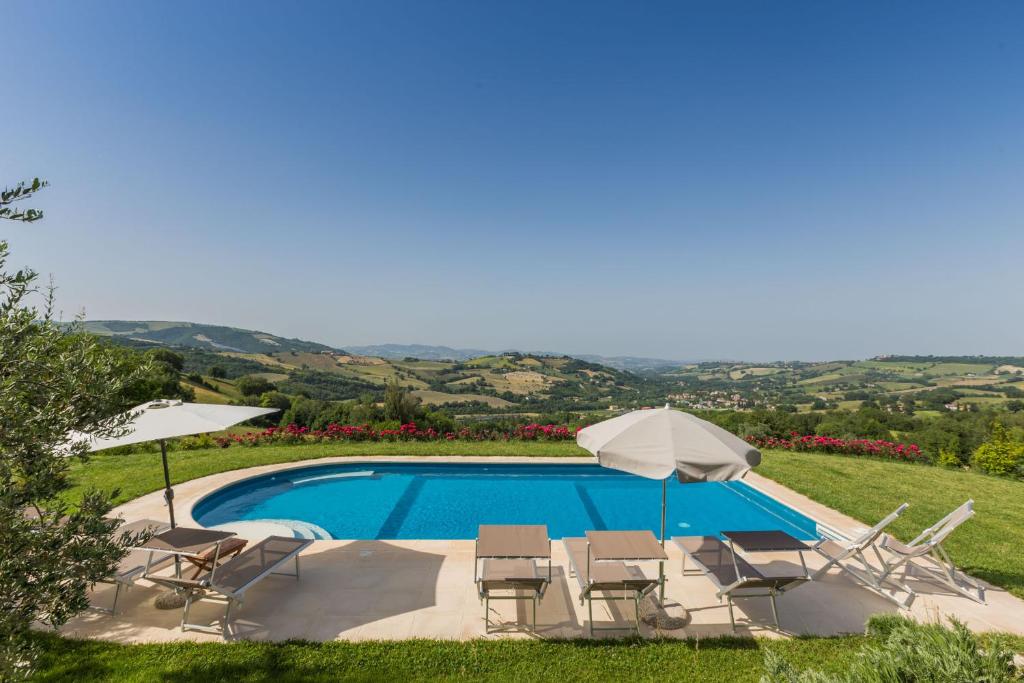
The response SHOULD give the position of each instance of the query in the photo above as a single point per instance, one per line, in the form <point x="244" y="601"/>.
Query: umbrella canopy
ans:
<point x="167" y="419"/>
<point x="657" y="443"/>
<point x="164" y="419"/>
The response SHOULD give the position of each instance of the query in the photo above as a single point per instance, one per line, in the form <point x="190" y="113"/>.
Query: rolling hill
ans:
<point x="475" y="380"/>
<point x="199" y="336"/>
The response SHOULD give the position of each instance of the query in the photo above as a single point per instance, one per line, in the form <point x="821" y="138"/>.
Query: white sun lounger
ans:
<point x="844" y="553"/>
<point x="229" y="582"/>
<point x="927" y="548"/>
<point x="733" y="576"/>
<point x="133" y="565"/>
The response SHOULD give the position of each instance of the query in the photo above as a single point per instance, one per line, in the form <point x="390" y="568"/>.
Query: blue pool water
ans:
<point x="448" y="501"/>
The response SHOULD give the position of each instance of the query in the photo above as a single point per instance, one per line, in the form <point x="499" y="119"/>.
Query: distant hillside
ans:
<point x="421" y="351"/>
<point x="199" y="336"/>
<point x="426" y="352"/>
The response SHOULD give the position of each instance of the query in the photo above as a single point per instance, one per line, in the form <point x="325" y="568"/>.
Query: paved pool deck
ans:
<point x="389" y="590"/>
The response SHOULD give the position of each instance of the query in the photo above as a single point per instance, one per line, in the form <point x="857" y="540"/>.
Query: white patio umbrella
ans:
<point x="660" y="442"/>
<point x="164" y="419"/>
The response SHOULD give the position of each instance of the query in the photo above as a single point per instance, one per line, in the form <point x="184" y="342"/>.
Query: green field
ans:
<point x="437" y="398"/>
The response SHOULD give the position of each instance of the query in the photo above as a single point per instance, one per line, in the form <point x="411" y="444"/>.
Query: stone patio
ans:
<point x="359" y="590"/>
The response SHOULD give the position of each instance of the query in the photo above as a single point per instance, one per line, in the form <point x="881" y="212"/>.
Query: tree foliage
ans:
<point x="399" y="404"/>
<point x="53" y="380"/>
<point x="23" y="190"/>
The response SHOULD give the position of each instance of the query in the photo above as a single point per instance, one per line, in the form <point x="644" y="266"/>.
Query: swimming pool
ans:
<point x="449" y="500"/>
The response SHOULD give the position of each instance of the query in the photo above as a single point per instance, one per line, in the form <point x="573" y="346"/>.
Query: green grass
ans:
<point x="868" y="489"/>
<point x="140" y="473"/>
<point x="728" y="659"/>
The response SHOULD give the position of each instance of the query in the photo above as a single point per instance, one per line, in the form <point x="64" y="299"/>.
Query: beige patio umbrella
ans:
<point x="660" y="442"/>
<point x="164" y="419"/>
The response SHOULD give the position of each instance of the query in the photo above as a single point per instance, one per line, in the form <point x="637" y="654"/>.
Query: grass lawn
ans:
<point x="418" y="660"/>
<point x="869" y="489"/>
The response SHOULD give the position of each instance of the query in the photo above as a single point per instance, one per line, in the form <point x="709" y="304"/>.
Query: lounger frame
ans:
<point x="124" y="580"/>
<point x="535" y="586"/>
<point x="203" y="589"/>
<point x="866" y="574"/>
<point x="637" y="592"/>
<point x="748" y="579"/>
<point x="928" y="547"/>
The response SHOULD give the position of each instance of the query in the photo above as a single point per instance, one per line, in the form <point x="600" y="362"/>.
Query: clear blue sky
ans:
<point x="763" y="180"/>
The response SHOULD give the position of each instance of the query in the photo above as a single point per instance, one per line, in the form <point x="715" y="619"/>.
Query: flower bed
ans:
<point x="407" y="432"/>
<point x="813" y="443"/>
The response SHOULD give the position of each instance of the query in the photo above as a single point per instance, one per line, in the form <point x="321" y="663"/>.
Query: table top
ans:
<point x="513" y="541"/>
<point x="764" y="541"/>
<point x="185" y="540"/>
<point x="624" y="545"/>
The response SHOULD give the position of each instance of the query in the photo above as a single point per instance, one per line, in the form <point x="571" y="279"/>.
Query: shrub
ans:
<point x="827" y="444"/>
<point x="948" y="458"/>
<point x="1000" y="454"/>
<point x="254" y="386"/>
<point x="905" y="650"/>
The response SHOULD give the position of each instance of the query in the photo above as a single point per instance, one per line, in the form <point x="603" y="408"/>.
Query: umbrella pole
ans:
<point x="661" y="565"/>
<point x="169" y="492"/>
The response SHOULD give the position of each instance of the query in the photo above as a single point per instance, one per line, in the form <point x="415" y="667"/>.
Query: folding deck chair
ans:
<point x="133" y="565"/>
<point x="928" y="548"/>
<point x="733" y="576"/>
<point x="842" y="554"/>
<point x="628" y="581"/>
<point x="229" y="582"/>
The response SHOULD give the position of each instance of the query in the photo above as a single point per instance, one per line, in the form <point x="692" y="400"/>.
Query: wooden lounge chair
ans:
<point x="933" y="562"/>
<point x="229" y="582"/>
<point x="849" y="556"/>
<point x="627" y="581"/>
<point x="732" y="575"/>
<point x="132" y="566"/>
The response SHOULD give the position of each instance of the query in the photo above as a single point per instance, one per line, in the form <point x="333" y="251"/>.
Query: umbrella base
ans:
<point x="169" y="600"/>
<point x="669" y="616"/>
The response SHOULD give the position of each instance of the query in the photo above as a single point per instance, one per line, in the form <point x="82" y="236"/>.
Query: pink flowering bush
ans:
<point x="293" y="434"/>
<point x="813" y="443"/>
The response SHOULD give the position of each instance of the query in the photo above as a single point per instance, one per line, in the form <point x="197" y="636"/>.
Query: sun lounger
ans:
<point x="509" y="553"/>
<point x="606" y="577"/>
<point x="133" y="565"/>
<point x="843" y="553"/>
<point x="229" y="582"/>
<point x="732" y="575"/>
<point x="519" y="576"/>
<point x="933" y="560"/>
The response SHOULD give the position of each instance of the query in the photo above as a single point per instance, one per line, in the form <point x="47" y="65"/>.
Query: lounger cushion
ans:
<point x="831" y="548"/>
<point x="715" y="559"/>
<point x="259" y="560"/>
<point x="133" y="564"/>
<point x="604" y="576"/>
<point x="510" y="574"/>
